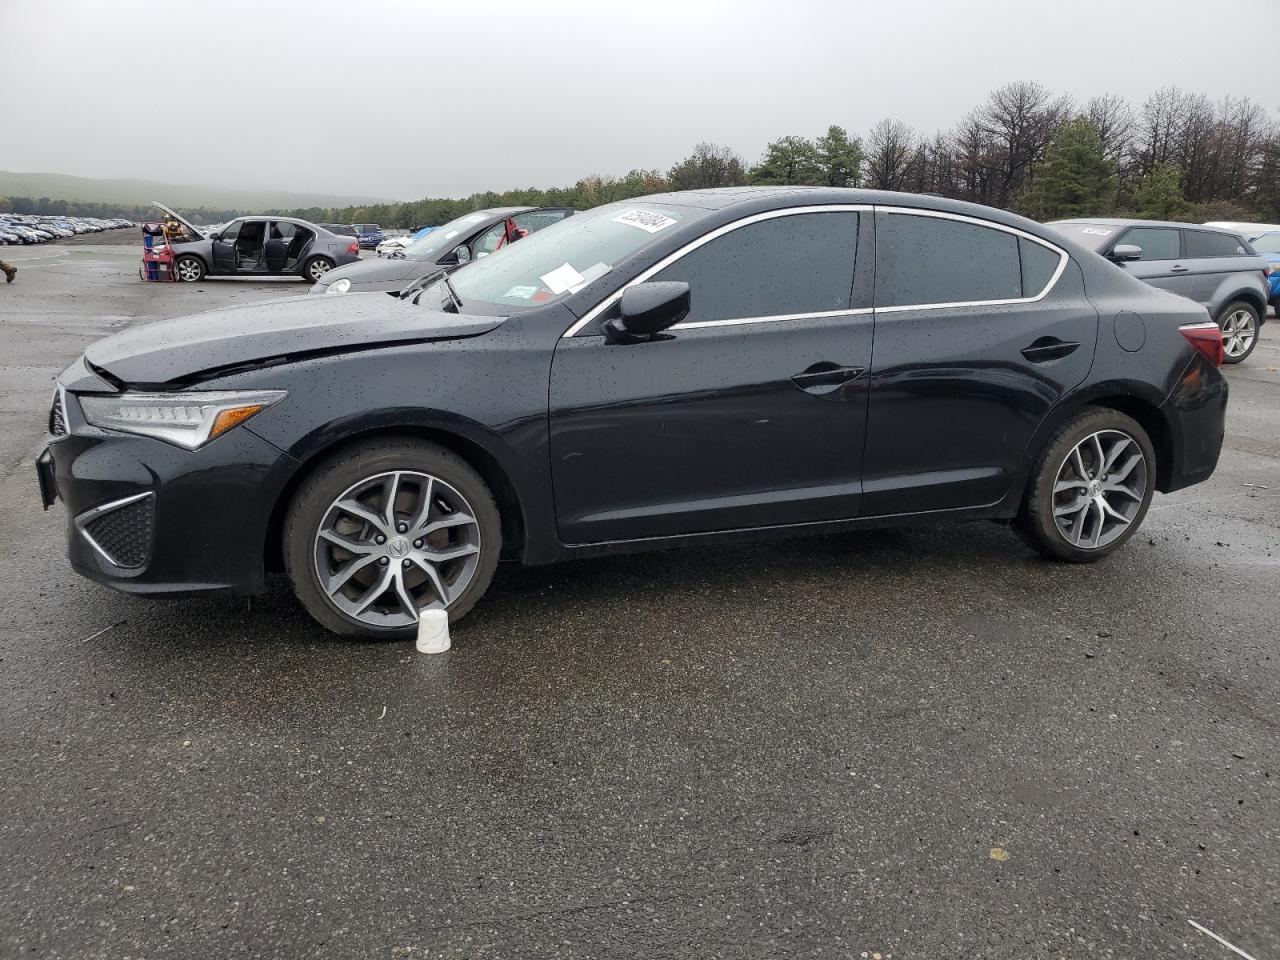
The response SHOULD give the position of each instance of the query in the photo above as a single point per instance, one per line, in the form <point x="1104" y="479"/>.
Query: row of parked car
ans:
<point x="1231" y="269"/>
<point x="18" y="228"/>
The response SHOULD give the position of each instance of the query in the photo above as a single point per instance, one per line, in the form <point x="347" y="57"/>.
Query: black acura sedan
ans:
<point x="685" y="368"/>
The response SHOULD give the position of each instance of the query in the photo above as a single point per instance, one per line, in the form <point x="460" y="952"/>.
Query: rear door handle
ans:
<point x="1049" y="348"/>
<point x="1178" y="268"/>
<point x="826" y="376"/>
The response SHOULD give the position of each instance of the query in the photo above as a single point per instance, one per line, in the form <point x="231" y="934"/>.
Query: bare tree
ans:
<point x="1159" y="128"/>
<point x="890" y="147"/>
<point x="710" y="165"/>
<point x="1020" y="118"/>
<point x="1113" y="118"/>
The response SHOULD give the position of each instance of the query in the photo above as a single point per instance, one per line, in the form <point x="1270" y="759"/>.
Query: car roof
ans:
<point x="1133" y="222"/>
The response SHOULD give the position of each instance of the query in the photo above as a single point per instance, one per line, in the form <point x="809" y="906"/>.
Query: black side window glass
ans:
<point x="927" y="260"/>
<point x="801" y="263"/>
<point x="1201" y="243"/>
<point x="1157" y="243"/>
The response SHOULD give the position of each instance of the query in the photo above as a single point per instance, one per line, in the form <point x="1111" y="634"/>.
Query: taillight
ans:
<point x="1205" y="337"/>
<point x="355" y="247"/>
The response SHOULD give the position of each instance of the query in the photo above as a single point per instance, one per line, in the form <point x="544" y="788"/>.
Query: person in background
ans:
<point x="9" y="271"/>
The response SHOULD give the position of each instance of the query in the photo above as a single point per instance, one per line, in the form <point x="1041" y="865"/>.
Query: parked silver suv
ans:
<point x="1216" y="268"/>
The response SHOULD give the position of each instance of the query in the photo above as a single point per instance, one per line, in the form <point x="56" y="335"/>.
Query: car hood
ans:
<point x="207" y="343"/>
<point x="389" y="274"/>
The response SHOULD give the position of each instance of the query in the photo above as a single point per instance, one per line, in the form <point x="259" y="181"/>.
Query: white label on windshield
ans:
<point x="520" y="293"/>
<point x="451" y="234"/>
<point x="1098" y="231"/>
<point x="561" y="279"/>
<point x="473" y="218"/>
<point x="646" y="220"/>
<point x="590" y="275"/>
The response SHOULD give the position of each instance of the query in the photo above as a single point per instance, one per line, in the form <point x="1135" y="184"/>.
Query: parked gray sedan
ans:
<point x="256" y="247"/>
<point x="1216" y="268"/>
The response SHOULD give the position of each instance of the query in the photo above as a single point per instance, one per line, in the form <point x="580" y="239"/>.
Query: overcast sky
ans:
<point x="430" y="98"/>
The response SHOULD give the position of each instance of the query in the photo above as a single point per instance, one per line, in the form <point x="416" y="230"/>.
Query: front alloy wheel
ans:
<point x="383" y="530"/>
<point x="395" y="544"/>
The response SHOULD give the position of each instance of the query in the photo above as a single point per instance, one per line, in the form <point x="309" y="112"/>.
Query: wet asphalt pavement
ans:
<point x="922" y="743"/>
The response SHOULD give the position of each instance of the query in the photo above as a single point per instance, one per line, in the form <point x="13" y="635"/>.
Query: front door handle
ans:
<point x="1178" y="268"/>
<point x="1049" y="348"/>
<point x="826" y="377"/>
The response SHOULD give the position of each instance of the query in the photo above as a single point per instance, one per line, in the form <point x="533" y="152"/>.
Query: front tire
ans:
<point x="1090" y="487"/>
<point x="316" y="267"/>
<point x="189" y="269"/>
<point x="1239" y="321"/>
<point x="385" y="529"/>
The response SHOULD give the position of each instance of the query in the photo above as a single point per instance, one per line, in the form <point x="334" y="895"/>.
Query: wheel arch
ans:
<point x="511" y="508"/>
<point x="1253" y="297"/>
<point x="1135" y="400"/>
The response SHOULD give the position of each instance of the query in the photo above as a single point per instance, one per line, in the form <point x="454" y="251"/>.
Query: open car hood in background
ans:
<point x="187" y="347"/>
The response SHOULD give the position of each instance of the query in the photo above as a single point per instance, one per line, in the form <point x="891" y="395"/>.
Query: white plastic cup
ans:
<point x="433" y="631"/>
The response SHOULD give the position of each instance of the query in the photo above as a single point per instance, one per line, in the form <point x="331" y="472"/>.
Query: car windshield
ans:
<point x="442" y="238"/>
<point x="561" y="259"/>
<point x="1267" y="243"/>
<point x="1095" y="236"/>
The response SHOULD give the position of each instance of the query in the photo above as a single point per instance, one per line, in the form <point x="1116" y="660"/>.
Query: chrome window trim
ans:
<point x="692" y="245"/>
<point x="1063" y="257"/>
<point x="94" y="512"/>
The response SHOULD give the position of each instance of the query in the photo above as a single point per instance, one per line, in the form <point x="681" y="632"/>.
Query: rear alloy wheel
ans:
<point x="317" y="267"/>
<point x="1239" y="323"/>
<point x="387" y="530"/>
<point x="188" y="269"/>
<point x="1091" y="487"/>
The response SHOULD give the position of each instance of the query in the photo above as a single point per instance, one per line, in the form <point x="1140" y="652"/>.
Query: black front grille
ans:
<point x="57" y="417"/>
<point x="124" y="534"/>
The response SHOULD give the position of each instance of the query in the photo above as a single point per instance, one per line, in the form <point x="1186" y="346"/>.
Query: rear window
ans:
<point x="922" y="261"/>
<point x="1267" y="243"/>
<point x="1202" y="243"/>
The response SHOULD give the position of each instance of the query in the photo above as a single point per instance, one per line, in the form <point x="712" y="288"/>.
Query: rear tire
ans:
<point x="459" y="516"/>
<point x="1090" y="487"/>
<point x="1239" y="321"/>
<point x="315" y="268"/>
<point x="189" y="269"/>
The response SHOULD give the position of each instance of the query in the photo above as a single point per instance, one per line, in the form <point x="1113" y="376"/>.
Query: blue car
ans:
<point x="1268" y="246"/>
<point x="369" y="234"/>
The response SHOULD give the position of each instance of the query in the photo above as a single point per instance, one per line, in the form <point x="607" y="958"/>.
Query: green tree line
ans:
<point x="1177" y="155"/>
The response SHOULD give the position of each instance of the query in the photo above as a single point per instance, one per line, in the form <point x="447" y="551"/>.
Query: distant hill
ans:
<point x="58" y="186"/>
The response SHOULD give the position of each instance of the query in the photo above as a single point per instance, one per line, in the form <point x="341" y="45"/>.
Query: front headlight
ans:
<point x="189" y="420"/>
<point x="339" y="286"/>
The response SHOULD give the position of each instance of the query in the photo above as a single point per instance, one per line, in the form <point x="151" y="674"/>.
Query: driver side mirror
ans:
<point x="216" y="235"/>
<point x="647" y="309"/>
<point x="461" y="255"/>
<point x="1124" y="252"/>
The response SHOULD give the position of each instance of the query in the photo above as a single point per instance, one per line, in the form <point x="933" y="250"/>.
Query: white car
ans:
<point x="392" y="245"/>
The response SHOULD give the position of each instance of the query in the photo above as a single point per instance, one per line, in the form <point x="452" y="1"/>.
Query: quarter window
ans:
<point x="1157" y="243"/>
<point x="931" y="260"/>
<point x="1202" y="243"/>
<point x="1038" y="265"/>
<point x="802" y="263"/>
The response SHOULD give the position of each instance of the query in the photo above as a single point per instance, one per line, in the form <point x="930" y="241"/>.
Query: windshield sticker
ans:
<point x="646" y="220"/>
<point x="1098" y="231"/>
<point x="561" y="279"/>
<point x="520" y="293"/>
<point x="473" y="218"/>
<point x="591" y="275"/>
<point x="451" y="234"/>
